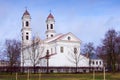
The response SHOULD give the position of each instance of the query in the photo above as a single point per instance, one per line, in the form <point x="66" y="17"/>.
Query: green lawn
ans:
<point x="89" y="76"/>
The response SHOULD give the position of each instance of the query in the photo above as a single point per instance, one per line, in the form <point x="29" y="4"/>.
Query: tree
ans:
<point x="74" y="57"/>
<point x="110" y="43"/>
<point x="88" y="49"/>
<point x="109" y="50"/>
<point x="117" y="49"/>
<point x="35" y="51"/>
<point x="12" y="51"/>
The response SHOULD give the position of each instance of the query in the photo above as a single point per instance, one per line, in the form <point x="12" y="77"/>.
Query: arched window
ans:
<point x="22" y="38"/>
<point x="96" y="62"/>
<point x="27" y="33"/>
<point x="51" y="35"/>
<point x="93" y="62"/>
<point x="27" y="23"/>
<point x="22" y="23"/>
<point x="69" y="38"/>
<point x="75" y="50"/>
<point x="47" y="36"/>
<point x="51" y="26"/>
<point x="47" y="26"/>
<point x="27" y="37"/>
<point x="61" y="49"/>
<point x="100" y="62"/>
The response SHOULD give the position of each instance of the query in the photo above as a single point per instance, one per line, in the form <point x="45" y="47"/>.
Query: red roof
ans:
<point x="50" y="16"/>
<point x="26" y="13"/>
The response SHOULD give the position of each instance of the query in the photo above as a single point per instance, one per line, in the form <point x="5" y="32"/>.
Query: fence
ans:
<point x="50" y="69"/>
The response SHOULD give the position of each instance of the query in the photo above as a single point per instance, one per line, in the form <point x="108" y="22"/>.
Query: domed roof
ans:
<point x="26" y="13"/>
<point x="50" y="16"/>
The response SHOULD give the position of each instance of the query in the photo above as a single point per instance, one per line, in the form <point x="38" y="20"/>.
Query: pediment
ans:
<point x="69" y="37"/>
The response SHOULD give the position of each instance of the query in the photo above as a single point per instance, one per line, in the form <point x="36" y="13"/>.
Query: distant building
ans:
<point x="96" y="63"/>
<point x="63" y="48"/>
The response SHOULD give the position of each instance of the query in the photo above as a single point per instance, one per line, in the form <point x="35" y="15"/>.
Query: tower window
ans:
<point x="47" y="26"/>
<point x="51" y="26"/>
<point x="22" y="37"/>
<point x="61" y="49"/>
<point x="27" y="37"/>
<point x="27" y="33"/>
<point x="22" y="23"/>
<point x="51" y="35"/>
<point x="27" y="23"/>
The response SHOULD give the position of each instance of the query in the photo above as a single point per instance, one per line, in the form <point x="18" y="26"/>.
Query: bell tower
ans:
<point x="26" y="29"/>
<point x="50" y="23"/>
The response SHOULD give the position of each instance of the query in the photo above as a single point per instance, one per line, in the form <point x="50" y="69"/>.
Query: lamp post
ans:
<point x="104" y="72"/>
<point x="47" y="57"/>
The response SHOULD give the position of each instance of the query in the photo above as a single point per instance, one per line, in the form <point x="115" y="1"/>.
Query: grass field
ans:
<point x="89" y="76"/>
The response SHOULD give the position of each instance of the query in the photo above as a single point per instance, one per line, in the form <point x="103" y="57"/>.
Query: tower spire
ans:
<point x="50" y="22"/>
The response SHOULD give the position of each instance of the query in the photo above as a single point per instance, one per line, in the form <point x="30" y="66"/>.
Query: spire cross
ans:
<point x="26" y="7"/>
<point x="50" y="11"/>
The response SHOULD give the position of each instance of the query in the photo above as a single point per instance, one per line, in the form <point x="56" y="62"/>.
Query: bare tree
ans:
<point x="88" y="49"/>
<point x="117" y="49"/>
<point x="12" y="51"/>
<point x="35" y="51"/>
<point x="110" y="44"/>
<point x="109" y="50"/>
<point x="74" y="57"/>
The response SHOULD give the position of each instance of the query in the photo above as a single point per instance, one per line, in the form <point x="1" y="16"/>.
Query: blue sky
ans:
<point x="87" y="19"/>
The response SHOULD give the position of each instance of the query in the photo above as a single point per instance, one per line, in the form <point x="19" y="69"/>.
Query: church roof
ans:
<point x="63" y="37"/>
<point x="50" y="16"/>
<point x="26" y="13"/>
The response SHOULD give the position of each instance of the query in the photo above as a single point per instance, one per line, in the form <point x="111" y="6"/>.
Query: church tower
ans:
<point x="26" y="29"/>
<point x="50" y="23"/>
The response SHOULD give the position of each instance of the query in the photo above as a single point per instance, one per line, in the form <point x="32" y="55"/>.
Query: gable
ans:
<point x="70" y="37"/>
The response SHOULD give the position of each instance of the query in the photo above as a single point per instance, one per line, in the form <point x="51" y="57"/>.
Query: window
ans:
<point x="51" y="35"/>
<point x="27" y="23"/>
<point x="47" y="26"/>
<point x="96" y="62"/>
<point x="51" y="26"/>
<point x="69" y="38"/>
<point x="61" y="49"/>
<point x="93" y="62"/>
<point x="26" y="32"/>
<point x="22" y="37"/>
<point x="47" y="36"/>
<point x="27" y="37"/>
<point x="100" y="62"/>
<point x="22" y="23"/>
<point x="75" y="50"/>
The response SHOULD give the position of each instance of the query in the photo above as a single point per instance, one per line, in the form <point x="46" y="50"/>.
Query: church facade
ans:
<point x="62" y="50"/>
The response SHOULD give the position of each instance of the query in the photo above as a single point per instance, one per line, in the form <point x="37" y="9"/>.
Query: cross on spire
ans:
<point x="25" y="7"/>
<point x="50" y="11"/>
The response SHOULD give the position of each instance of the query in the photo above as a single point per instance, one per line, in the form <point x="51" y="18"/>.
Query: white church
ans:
<point x="62" y="50"/>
